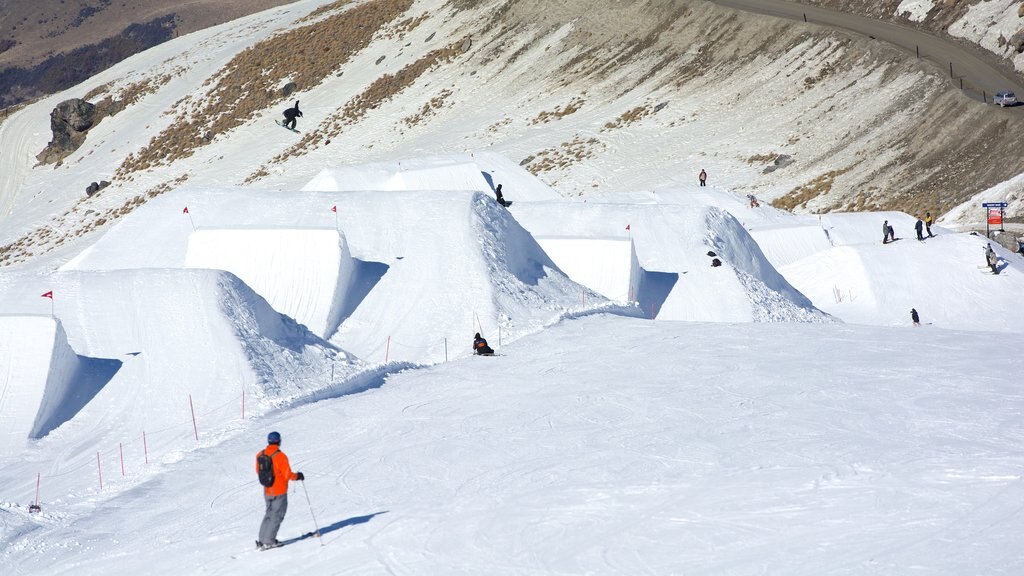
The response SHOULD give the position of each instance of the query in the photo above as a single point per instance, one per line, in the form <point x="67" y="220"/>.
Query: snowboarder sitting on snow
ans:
<point x="914" y="317"/>
<point x="275" y="495"/>
<point x="753" y="201"/>
<point x="888" y="235"/>
<point x="992" y="259"/>
<point x="480" y="345"/>
<point x="500" y="197"/>
<point x="290" y="115"/>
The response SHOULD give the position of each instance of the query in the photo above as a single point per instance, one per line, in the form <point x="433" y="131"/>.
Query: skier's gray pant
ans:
<point x="276" y="508"/>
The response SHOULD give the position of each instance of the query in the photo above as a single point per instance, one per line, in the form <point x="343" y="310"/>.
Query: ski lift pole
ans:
<point x="315" y="525"/>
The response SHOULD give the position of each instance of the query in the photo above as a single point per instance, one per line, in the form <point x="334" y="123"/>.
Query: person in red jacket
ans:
<point x="275" y="495"/>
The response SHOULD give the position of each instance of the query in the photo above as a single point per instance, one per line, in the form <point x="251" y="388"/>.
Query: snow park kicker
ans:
<point x="676" y="280"/>
<point x="303" y="273"/>
<point x="481" y="172"/>
<point x="37" y="395"/>
<point x="149" y="322"/>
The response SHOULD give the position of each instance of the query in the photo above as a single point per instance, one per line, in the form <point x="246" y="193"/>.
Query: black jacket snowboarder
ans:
<point x="480" y="345"/>
<point x="919" y="227"/>
<point x="914" y="317"/>
<point x="500" y="197"/>
<point x="290" y="115"/>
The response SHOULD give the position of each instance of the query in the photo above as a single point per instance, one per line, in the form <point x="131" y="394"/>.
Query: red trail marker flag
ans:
<point x="47" y="295"/>
<point x="185" y="211"/>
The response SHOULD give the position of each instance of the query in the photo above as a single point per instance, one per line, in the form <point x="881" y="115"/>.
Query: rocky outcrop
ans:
<point x="69" y="122"/>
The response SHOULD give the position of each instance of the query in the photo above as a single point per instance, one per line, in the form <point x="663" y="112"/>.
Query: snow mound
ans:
<point x="673" y="278"/>
<point x="45" y="382"/>
<point x="173" y="330"/>
<point x="475" y="269"/>
<point x="305" y="274"/>
<point x="478" y="172"/>
<point x="944" y="278"/>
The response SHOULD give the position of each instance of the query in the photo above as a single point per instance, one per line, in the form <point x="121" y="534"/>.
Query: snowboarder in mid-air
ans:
<point x="481" y="347"/>
<point x="290" y="115"/>
<point x="275" y="494"/>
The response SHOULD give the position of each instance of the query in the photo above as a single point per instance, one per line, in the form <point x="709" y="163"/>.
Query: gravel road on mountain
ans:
<point x="979" y="76"/>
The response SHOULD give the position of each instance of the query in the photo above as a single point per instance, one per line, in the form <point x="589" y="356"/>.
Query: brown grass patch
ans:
<point x="428" y="109"/>
<point x="564" y="156"/>
<point x="571" y="108"/>
<point x="629" y="117"/>
<point x="763" y="158"/>
<point x="801" y="195"/>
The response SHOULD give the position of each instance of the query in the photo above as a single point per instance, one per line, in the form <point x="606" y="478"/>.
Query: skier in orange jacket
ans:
<point x="275" y="495"/>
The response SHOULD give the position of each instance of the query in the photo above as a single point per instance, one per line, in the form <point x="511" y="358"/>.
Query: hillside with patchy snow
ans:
<point x="555" y="91"/>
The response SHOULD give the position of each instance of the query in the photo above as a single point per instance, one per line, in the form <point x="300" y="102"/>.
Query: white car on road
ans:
<point x="1004" y="98"/>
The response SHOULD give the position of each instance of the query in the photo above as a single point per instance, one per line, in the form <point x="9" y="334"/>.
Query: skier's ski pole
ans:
<point x="315" y="525"/>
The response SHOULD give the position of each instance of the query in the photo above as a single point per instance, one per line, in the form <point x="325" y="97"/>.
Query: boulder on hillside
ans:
<point x="69" y="122"/>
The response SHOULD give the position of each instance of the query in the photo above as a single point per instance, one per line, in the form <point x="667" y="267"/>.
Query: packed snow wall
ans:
<point x="303" y="273"/>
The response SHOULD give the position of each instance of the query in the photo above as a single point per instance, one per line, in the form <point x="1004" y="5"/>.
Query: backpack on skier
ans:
<point x="265" y="468"/>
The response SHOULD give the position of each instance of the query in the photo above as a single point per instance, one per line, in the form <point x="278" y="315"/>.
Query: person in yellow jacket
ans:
<point x="275" y="495"/>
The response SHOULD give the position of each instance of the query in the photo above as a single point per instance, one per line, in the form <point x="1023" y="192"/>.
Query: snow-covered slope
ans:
<point x="601" y="446"/>
<point x="647" y="412"/>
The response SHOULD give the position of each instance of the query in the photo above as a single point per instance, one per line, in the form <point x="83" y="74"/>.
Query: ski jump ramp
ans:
<point x="303" y="273"/>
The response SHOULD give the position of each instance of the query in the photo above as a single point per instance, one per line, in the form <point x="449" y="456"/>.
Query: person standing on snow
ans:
<point x="290" y="115"/>
<point x="887" y="233"/>
<point x="480" y="345"/>
<point x="919" y="226"/>
<point x="703" y="177"/>
<point x="914" y="317"/>
<point x="276" y="495"/>
<point x="928" y="223"/>
<point x="992" y="259"/>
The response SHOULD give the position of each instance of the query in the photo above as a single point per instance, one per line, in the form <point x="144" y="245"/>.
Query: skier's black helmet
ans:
<point x="274" y="438"/>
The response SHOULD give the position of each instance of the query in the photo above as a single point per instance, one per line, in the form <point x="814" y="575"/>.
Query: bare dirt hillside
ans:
<point x="35" y="34"/>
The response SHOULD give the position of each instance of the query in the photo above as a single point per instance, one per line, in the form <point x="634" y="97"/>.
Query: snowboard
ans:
<point x="281" y="124"/>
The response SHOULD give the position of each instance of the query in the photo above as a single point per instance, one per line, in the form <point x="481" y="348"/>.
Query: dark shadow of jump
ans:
<point x="654" y="290"/>
<point x="61" y="404"/>
<point x="365" y="276"/>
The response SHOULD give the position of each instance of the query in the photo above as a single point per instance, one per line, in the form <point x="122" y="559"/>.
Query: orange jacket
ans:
<point x="282" y="471"/>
